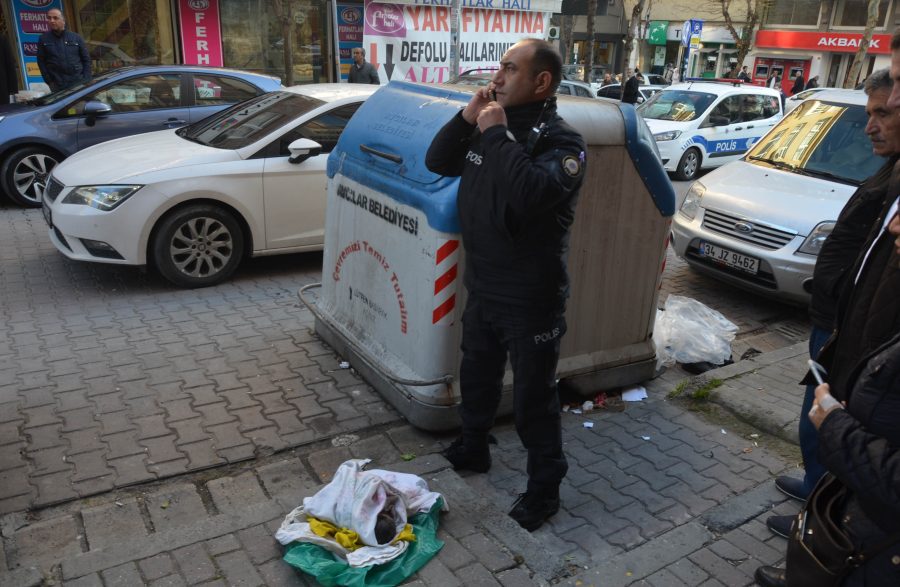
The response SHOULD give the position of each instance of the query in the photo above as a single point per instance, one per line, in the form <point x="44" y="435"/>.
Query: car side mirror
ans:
<point x="303" y="149"/>
<point x="95" y="109"/>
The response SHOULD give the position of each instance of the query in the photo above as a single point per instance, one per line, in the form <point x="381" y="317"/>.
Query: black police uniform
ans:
<point x="63" y="60"/>
<point x="516" y="203"/>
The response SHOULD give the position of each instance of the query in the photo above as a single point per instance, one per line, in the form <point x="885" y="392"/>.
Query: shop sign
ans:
<point x="821" y="41"/>
<point x="201" y="36"/>
<point x="413" y="42"/>
<point x="656" y="34"/>
<point x="31" y="22"/>
<point x="691" y="28"/>
<point x="527" y="5"/>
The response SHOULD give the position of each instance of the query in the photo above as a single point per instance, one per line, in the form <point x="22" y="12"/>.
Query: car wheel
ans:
<point x="25" y="174"/>
<point x="198" y="246"/>
<point x="688" y="165"/>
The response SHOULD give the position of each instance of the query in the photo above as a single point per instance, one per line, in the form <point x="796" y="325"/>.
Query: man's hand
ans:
<point x="823" y="405"/>
<point x="481" y="99"/>
<point x="491" y="115"/>
<point x="894" y="229"/>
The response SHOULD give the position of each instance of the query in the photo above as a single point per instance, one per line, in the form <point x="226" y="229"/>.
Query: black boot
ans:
<point x="469" y="453"/>
<point x="533" y="507"/>
<point x="770" y="577"/>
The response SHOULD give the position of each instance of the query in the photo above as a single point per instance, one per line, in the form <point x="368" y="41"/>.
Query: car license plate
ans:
<point x="728" y="258"/>
<point x="47" y="216"/>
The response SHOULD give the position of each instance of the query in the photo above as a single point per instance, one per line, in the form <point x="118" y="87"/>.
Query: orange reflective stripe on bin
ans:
<point x="446" y="260"/>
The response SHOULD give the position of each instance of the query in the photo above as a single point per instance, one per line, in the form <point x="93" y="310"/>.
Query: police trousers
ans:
<point x="491" y="333"/>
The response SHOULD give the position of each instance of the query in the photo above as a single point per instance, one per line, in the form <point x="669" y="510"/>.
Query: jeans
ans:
<point x="492" y="332"/>
<point x="809" y="437"/>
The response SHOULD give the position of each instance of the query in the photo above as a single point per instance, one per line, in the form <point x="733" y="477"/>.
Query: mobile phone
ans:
<point x="818" y="371"/>
<point x="494" y="95"/>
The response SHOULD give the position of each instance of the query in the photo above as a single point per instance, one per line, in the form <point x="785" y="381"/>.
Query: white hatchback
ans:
<point x="706" y="124"/>
<point x="759" y="223"/>
<point x="194" y="201"/>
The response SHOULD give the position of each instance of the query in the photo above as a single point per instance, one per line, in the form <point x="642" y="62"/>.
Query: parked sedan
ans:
<point x="37" y="135"/>
<point x="193" y="202"/>
<point x="614" y="91"/>
<point x="760" y="222"/>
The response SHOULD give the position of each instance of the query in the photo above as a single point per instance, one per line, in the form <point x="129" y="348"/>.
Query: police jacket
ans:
<point x="516" y="203"/>
<point x="861" y="446"/>
<point x="844" y="245"/>
<point x="63" y="60"/>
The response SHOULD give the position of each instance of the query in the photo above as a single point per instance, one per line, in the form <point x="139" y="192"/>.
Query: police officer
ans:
<point x="62" y="55"/>
<point x="521" y="168"/>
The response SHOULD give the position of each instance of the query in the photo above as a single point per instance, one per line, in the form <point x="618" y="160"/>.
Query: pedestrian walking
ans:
<point x="62" y="55"/>
<point x="361" y="71"/>
<point x="744" y="76"/>
<point x="813" y="82"/>
<point x="837" y="256"/>
<point x="630" y="91"/>
<point x="799" y="84"/>
<point x="521" y="167"/>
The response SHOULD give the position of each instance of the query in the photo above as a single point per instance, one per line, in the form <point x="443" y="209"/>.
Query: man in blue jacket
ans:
<point x="62" y="55"/>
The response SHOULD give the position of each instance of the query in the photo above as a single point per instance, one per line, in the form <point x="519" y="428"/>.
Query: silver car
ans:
<point x="760" y="222"/>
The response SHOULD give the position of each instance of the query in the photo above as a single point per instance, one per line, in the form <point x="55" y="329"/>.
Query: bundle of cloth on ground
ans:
<point x="360" y="516"/>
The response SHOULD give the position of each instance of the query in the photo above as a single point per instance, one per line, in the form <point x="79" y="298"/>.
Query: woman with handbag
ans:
<point x="849" y="532"/>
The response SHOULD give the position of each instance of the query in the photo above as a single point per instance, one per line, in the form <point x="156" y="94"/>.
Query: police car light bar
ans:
<point x="719" y="80"/>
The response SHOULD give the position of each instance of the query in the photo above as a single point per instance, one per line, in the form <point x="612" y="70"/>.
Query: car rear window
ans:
<point x="678" y="105"/>
<point x="247" y="122"/>
<point x="822" y="139"/>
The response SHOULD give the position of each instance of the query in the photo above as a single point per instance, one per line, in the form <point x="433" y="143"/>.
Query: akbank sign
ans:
<point x="816" y="41"/>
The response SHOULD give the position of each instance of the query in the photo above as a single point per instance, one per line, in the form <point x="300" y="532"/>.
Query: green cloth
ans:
<point x="331" y="571"/>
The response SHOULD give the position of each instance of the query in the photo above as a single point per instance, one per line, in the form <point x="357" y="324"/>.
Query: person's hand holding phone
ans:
<point x="824" y="403"/>
<point x="483" y="97"/>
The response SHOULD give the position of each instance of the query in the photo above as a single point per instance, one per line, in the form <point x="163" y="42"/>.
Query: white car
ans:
<point x="708" y="124"/>
<point x="193" y="202"/>
<point x="759" y="223"/>
<point x="795" y="100"/>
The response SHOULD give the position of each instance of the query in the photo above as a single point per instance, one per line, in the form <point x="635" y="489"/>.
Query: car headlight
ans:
<point x="813" y="243"/>
<point x="669" y="135"/>
<point x="692" y="200"/>
<point x="102" y="197"/>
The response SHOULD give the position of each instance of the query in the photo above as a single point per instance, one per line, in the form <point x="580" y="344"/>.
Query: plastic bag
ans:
<point x="690" y="332"/>
<point x="330" y="571"/>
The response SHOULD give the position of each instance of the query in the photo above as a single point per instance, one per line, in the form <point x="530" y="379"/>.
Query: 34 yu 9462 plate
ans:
<point x="728" y="258"/>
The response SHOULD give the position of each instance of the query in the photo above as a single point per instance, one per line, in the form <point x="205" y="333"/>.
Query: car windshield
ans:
<point x="821" y="139"/>
<point x="680" y="105"/>
<point x="60" y="95"/>
<point x="249" y="121"/>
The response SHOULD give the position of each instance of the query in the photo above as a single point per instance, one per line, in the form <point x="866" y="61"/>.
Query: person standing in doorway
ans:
<point x="361" y="71"/>
<point x="62" y="55"/>
<point x="521" y="168"/>
<point x="744" y="76"/>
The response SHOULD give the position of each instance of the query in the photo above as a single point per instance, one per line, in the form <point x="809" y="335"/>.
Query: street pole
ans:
<point x="454" y="40"/>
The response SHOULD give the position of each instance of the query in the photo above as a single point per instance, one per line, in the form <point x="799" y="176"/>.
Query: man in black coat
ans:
<point x="62" y="55"/>
<point x="361" y="71"/>
<point x="521" y="167"/>
<point x="630" y="91"/>
<point x="837" y="256"/>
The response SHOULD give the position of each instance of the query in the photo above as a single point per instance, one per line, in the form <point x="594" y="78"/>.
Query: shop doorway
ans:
<point x="840" y="68"/>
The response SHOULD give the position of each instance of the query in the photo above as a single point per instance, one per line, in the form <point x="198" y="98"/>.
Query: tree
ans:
<point x="567" y="38"/>
<point x="743" y="41"/>
<point x="283" y="13"/>
<point x="856" y="66"/>
<point x="589" y="51"/>
<point x="632" y="32"/>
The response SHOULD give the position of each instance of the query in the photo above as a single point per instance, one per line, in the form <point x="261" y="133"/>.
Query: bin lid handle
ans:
<point x="390" y="157"/>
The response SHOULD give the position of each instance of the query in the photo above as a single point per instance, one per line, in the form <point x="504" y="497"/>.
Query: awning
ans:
<point x="523" y="5"/>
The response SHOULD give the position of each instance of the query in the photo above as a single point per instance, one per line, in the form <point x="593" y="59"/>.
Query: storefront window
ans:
<point x="793" y="12"/>
<point x="855" y="12"/>
<point x="117" y="33"/>
<point x="255" y="33"/>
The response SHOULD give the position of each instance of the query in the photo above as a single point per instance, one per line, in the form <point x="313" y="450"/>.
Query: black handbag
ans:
<point x="820" y="553"/>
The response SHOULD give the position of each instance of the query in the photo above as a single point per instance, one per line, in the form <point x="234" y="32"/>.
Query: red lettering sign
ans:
<point x="201" y="37"/>
<point x="818" y="41"/>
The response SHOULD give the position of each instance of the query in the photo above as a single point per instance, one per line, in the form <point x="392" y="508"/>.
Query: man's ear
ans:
<point x="544" y="81"/>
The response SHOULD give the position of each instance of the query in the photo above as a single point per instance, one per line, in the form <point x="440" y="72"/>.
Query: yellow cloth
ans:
<point x="348" y="538"/>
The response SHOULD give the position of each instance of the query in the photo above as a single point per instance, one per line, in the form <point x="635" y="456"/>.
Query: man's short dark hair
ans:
<point x="546" y="58"/>
<point x="879" y="80"/>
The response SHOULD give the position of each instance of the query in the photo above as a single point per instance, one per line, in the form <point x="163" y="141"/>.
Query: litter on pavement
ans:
<point x="634" y="394"/>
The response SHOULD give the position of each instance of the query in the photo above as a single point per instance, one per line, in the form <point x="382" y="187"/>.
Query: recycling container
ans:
<point x="391" y="294"/>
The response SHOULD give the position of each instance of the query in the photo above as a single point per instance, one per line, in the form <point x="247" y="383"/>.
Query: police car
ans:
<point x="706" y="123"/>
